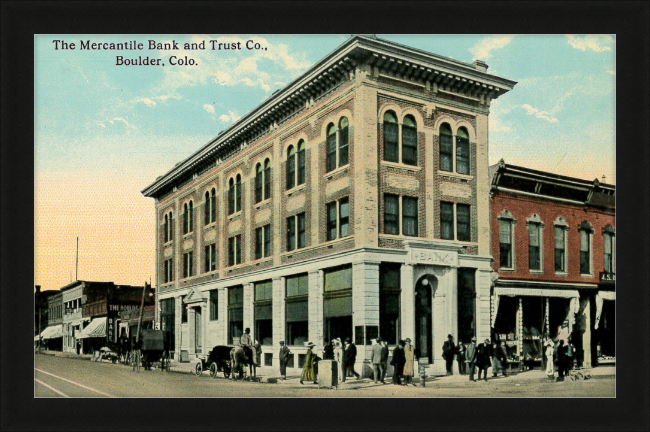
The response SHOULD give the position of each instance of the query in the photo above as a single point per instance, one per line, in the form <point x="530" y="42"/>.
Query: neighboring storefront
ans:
<point x="605" y="320"/>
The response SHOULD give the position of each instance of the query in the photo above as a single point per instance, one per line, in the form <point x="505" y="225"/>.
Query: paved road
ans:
<point x="66" y="377"/>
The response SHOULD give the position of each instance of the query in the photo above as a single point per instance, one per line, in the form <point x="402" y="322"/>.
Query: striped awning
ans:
<point x="53" y="332"/>
<point x="96" y="328"/>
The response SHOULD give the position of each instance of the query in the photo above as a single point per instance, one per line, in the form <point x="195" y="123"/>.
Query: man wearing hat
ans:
<point x="448" y="352"/>
<point x="349" y="358"/>
<point x="409" y="366"/>
<point x="470" y="358"/>
<point x="483" y="354"/>
<point x="377" y="365"/>
<point x="284" y="359"/>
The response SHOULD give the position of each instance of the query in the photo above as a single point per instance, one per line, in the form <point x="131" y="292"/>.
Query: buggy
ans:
<point x="218" y="360"/>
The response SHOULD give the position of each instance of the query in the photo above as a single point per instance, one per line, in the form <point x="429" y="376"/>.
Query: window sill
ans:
<point x="401" y="166"/>
<point x="210" y="225"/>
<point x="261" y="203"/>
<point x="298" y="188"/>
<point x="586" y="276"/>
<point x="332" y="173"/>
<point x="455" y="175"/>
<point x="510" y="270"/>
<point x="235" y="215"/>
<point x="460" y="242"/>
<point x="537" y="272"/>
<point x="169" y="243"/>
<point x="234" y="267"/>
<point x="188" y="235"/>
<point x="561" y="274"/>
<point x="318" y="246"/>
<point x="262" y="260"/>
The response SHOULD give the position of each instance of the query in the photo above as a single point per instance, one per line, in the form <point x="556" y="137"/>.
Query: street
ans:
<point x="68" y="377"/>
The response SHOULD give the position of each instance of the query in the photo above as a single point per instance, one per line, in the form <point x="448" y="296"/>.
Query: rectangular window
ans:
<point x="168" y="321"/>
<point x="389" y="301"/>
<point x="337" y="303"/>
<point x="343" y="146"/>
<point x="213" y="207"/>
<point x="291" y="233"/>
<point x="463" y="227"/>
<point x="297" y="316"/>
<point x="302" y="238"/>
<point x="560" y="244"/>
<point x="234" y="250"/>
<point x="338" y="279"/>
<point x="301" y="166"/>
<point x="409" y="145"/>
<point x="505" y="244"/>
<point x="259" y="243"/>
<point x="214" y="305"/>
<point x="235" y="314"/>
<point x="168" y="271"/>
<point x="183" y="310"/>
<point x="331" y="220"/>
<point x="585" y="253"/>
<point x="410" y="216"/>
<point x="344" y="216"/>
<point x="391" y="131"/>
<point x="259" y="185"/>
<point x="264" y="312"/>
<point x="267" y="182"/>
<point x="291" y="170"/>
<point x="267" y="241"/>
<point x="188" y="264"/>
<point x="239" y="192"/>
<point x="391" y="214"/>
<point x="446" y="153"/>
<point x="609" y="252"/>
<point x="534" y="262"/>
<point x="447" y="221"/>
<point x="210" y="258"/>
<point x="462" y="155"/>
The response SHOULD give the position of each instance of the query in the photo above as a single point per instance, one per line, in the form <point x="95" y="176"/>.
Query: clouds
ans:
<point x="539" y="114"/>
<point x="231" y="117"/>
<point x="123" y="121"/>
<point x="151" y="102"/>
<point x="209" y="108"/>
<point x="483" y="49"/>
<point x="596" y="43"/>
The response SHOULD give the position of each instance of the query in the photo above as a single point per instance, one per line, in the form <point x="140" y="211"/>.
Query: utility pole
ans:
<point x="144" y="292"/>
<point x="76" y="272"/>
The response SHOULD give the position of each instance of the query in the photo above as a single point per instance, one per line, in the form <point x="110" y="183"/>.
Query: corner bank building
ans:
<point x="352" y="203"/>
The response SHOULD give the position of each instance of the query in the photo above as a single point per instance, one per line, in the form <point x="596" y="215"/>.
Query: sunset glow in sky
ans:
<point x="104" y="132"/>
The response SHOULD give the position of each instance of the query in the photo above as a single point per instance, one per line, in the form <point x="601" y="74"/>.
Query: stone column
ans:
<point x="407" y="310"/>
<point x="483" y="283"/>
<point x="482" y="184"/>
<point x="315" y="305"/>
<point x="248" y="309"/>
<point x="178" y="327"/>
<point x="222" y="331"/>
<point x="520" y="333"/>
<point x="365" y="302"/>
<point x="278" y="320"/>
<point x="586" y="336"/>
<point x="191" y="330"/>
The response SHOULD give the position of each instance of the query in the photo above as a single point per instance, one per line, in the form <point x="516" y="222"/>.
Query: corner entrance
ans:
<point x="424" y="290"/>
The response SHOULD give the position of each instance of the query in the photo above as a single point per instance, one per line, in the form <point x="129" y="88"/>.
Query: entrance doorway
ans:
<point x="423" y="316"/>
<point x="198" y="345"/>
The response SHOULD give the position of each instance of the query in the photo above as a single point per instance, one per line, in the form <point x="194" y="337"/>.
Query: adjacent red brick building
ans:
<point x="553" y="243"/>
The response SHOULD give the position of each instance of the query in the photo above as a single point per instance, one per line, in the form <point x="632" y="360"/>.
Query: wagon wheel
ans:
<point x="198" y="369"/>
<point x="213" y="370"/>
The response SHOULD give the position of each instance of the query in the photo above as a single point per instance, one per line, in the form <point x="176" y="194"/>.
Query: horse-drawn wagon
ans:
<point x="154" y="349"/>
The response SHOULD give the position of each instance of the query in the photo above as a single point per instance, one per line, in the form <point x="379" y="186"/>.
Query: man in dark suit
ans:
<point x="377" y="365"/>
<point x="483" y="354"/>
<point x="349" y="358"/>
<point x="384" y="359"/>
<point x="448" y="352"/>
<point x="471" y="358"/>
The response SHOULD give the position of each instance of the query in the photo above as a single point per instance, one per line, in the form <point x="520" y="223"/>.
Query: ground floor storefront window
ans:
<point x="389" y="301"/>
<point x="167" y="322"/>
<point x="297" y="310"/>
<point x="505" y="327"/>
<point x="605" y="333"/>
<point x="337" y="303"/>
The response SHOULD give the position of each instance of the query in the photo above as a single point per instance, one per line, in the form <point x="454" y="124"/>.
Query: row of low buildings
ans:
<point x="84" y="316"/>
<point x="358" y="202"/>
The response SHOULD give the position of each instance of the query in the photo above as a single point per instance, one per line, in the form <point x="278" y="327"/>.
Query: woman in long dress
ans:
<point x="550" y="353"/>
<point x="338" y="356"/>
<point x="308" y="372"/>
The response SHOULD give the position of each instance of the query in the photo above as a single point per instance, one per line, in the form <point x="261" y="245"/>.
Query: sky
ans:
<point x="105" y="131"/>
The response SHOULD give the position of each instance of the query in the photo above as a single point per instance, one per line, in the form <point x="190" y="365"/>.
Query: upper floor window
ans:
<point x="188" y="217"/>
<point x="188" y="264"/>
<point x="169" y="227"/>
<point x="505" y="244"/>
<point x="214" y="305"/>
<point x="462" y="151"/>
<point x="409" y="211"/>
<point x="455" y="221"/>
<point x="168" y="270"/>
<point x="263" y="181"/>
<point x="210" y="207"/>
<point x="296" y="165"/>
<point x="296" y="232"/>
<point x="234" y="194"/>
<point x="586" y="240"/>
<point x="609" y="249"/>
<point x="391" y="137"/>
<point x="263" y="242"/>
<point x="338" y="219"/>
<point x="337" y="150"/>
<point x="561" y="255"/>
<point x="446" y="148"/>
<point x="234" y="250"/>
<point x="535" y="243"/>
<point x="409" y="141"/>
<point x="210" y="257"/>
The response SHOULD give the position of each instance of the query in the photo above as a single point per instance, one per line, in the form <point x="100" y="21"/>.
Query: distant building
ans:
<point x="52" y="336"/>
<point x="346" y="205"/>
<point x="554" y="246"/>
<point x="41" y="309"/>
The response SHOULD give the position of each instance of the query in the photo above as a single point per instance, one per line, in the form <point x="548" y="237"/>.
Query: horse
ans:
<point x="240" y="357"/>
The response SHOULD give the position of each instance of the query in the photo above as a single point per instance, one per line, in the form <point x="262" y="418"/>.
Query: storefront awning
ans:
<point x="78" y="322"/>
<point x="602" y="295"/>
<point x="96" y="328"/>
<point x="574" y="295"/>
<point x="53" y="332"/>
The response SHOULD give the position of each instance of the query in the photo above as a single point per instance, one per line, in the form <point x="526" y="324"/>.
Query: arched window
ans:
<point x="343" y="141"/>
<point x="213" y="205"/>
<point x="206" y="208"/>
<point x="166" y="229"/>
<point x="259" y="183"/>
<point x="186" y="218"/>
<point x="391" y="131"/>
<point x="586" y="230"/>
<point x="301" y="162"/>
<point x="462" y="151"/>
<point x="331" y="148"/>
<point x="409" y="141"/>
<point x="291" y="167"/>
<point x="238" y="196"/>
<point x="267" y="179"/>
<point x="231" y="196"/>
<point x="446" y="148"/>
<point x="170" y="235"/>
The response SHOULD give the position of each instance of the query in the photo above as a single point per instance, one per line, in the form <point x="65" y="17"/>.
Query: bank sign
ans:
<point x="432" y="257"/>
<point x="121" y="308"/>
